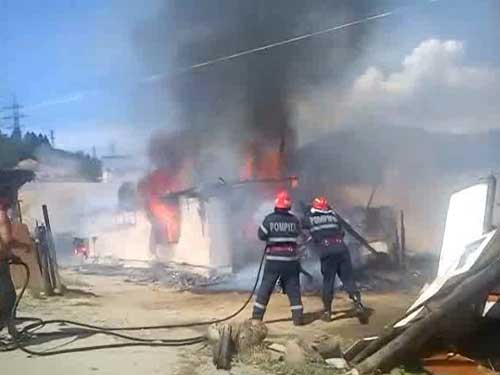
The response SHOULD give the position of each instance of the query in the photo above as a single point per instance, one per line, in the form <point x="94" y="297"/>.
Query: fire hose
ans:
<point x="20" y="337"/>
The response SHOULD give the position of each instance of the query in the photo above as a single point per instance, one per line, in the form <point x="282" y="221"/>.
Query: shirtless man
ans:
<point x="7" y="290"/>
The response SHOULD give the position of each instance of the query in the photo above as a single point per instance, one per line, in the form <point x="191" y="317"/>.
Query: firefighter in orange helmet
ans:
<point x="280" y="229"/>
<point x="328" y="242"/>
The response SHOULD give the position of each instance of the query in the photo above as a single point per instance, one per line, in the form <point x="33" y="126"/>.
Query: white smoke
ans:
<point x="434" y="88"/>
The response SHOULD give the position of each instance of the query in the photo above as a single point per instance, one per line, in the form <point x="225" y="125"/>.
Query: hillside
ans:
<point x="37" y="148"/>
<point x="363" y="155"/>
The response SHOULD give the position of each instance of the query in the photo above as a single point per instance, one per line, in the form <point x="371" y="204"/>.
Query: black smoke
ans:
<point x="248" y="98"/>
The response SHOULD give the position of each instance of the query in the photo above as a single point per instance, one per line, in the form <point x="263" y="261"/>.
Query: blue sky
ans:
<point x="74" y="66"/>
<point x="71" y="62"/>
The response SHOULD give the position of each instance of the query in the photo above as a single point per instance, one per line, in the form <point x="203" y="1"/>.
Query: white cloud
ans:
<point x="434" y="88"/>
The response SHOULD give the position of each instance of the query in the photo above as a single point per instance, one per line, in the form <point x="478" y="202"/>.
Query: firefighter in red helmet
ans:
<point x="280" y="229"/>
<point x="328" y="242"/>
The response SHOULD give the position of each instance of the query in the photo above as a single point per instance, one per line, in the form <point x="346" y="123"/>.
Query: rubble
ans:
<point x="277" y="348"/>
<point x="328" y="347"/>
<point x="468" y="271"/>
<point x="295" y="354"/>
<point x="164" y="274"/>
<point x="337" y="363"/>
<point x="248" y="334"/>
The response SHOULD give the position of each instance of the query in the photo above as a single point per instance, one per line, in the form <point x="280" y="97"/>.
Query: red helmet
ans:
<point x="321" y="203"/>
<point x="283" y="200"/>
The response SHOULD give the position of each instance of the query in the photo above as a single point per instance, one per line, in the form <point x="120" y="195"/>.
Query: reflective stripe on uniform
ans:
<point x="277" y="257"/>
<point x="263" y="228"/>
<point x="324" y="226"/>
<point x="259" y="306"/>
<point x="282" y="239"/>
<point x="315" y="210"/>
<point x="297" y="307"/>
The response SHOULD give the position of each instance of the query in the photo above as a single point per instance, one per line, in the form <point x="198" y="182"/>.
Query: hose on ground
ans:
<point x="21" y="338"/>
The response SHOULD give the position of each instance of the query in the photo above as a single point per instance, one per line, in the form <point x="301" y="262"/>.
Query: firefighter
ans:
<point x="280" y="229"/>
<point x="328" y="242"/>
<point x="7" y="290"/>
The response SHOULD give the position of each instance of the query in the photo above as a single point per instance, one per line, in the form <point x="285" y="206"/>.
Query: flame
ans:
<point x="164" y="213"/>
<point x="168" y="216"/>
<point x="262" y="163"/>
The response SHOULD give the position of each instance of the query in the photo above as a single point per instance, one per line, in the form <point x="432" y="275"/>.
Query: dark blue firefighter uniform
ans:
<point x="280" y="230"/>
<point x="328" y="242"/>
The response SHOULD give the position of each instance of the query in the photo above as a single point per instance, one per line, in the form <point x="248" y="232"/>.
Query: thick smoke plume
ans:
<point x="244" y="104"/>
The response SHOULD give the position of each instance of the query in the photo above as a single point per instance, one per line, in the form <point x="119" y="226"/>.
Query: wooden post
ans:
<point x="19" y="213"/>
<point x="403" y="240"/>
<point x="372" y="194"/>
<point x="490" y="204"/>
<point x="43" y="256"/>
<point x="397" y="249"/>
<point x="52" y="251"/>
<point x="224" y="348"/>
<point x="356" y="235"/>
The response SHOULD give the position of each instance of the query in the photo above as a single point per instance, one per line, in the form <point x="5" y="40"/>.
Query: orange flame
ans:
<point x="165" y="214"/>
<point x="262" y="163"/>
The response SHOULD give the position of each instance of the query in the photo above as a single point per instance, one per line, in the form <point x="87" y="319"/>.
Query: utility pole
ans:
<point x="52" y="138"/>
<point x="15" y="116"/>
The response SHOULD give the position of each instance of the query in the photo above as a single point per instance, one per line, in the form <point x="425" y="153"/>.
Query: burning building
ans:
<point x="232" y="120"/>
<point x="202" y="224"/>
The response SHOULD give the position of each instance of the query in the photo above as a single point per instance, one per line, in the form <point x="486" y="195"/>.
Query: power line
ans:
<point x="282" y="43"/>
<point x="273" y="45"/>
<point x="288" y="41"/>
<point x="372" y="18"/>
<point x="52" y="138"/>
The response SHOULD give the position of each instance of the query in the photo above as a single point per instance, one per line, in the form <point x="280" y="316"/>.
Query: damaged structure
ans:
<point x="451" y="310"/>
<point x="204" y="239"/>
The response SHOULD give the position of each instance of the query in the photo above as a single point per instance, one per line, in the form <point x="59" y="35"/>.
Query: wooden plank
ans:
<point x="53" y="266"/>
<point x="411" y="340"/>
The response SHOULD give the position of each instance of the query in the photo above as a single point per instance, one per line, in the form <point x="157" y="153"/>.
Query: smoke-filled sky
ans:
<point x="94" y="70"/>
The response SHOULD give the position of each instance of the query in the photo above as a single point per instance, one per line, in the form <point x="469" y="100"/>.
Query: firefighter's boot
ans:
<point x="298" y="317"/>
<point x="327" y="313"/>
<point x="362" y="312"/>
<point x="356" y="299"/>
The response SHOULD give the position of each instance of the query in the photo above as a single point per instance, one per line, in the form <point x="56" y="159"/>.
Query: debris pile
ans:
<point x="385" y="279"/>
<point x="409" y="337"/>
<point x="452" y="314"/>
<point x="452" y="309"/>
<point x="163" y="274"/>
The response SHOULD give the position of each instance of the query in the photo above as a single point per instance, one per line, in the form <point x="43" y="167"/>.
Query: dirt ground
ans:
<point x="112" y="301"/>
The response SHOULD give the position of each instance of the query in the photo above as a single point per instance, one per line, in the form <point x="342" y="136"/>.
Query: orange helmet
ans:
<point x="320" y="203"/>
<point x="283" y="200"/>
